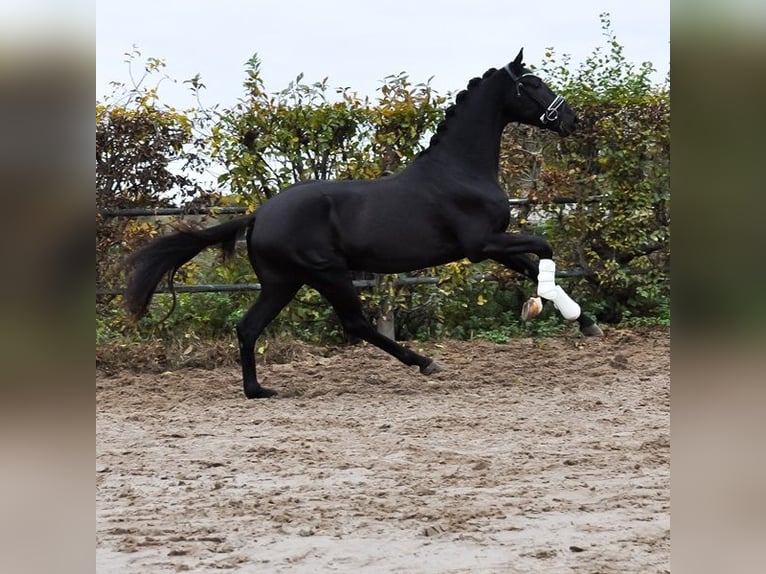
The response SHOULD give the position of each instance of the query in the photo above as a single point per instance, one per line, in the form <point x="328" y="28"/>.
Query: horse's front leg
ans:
<point x="511" y="251"/>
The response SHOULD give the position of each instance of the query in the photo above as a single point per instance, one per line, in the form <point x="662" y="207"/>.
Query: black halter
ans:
<point x="551" y="112"/>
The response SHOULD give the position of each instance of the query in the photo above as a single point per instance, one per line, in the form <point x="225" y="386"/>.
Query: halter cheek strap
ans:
<point x="515" y="78"/>
<point x="551" y="113"/>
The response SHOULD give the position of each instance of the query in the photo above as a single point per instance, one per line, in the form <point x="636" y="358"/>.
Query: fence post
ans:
<point x="385" y="322"/>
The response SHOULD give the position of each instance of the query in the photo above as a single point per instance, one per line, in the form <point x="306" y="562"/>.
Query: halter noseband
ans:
<point x="551" y="113"/>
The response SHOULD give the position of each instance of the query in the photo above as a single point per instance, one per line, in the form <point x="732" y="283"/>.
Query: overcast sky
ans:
<point x="358" y="43"/>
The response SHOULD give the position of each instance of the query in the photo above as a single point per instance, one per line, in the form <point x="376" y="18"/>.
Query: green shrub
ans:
<point x="266" y="142"/>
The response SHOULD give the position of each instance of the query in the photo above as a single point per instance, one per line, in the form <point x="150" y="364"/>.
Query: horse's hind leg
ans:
<point x="270" y="302"/>
<point x="338" y="289"/>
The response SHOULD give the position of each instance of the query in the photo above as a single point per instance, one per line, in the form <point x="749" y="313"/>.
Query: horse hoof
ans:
<point x="531" y="308"/>
<point x="592" y="330"/>
<point x="430" y="368"/>
<point x="260" y="393"/>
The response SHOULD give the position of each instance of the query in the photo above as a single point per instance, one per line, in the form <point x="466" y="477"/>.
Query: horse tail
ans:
<point x="167" y="254"/>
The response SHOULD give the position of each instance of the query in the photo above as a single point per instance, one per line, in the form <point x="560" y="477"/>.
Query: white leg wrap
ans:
<point x="566" y="305"/>
<point x="546" y="287"/>
<point x="546" y="279"/>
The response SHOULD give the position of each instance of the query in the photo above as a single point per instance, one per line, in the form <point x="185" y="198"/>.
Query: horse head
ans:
<point x="531" y="101"/>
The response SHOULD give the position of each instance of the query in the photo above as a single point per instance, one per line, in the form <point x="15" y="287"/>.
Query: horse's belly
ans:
<point x="398" y="254"/>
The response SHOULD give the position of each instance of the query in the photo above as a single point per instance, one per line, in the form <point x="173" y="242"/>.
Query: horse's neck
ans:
<point x="471" y="138"/>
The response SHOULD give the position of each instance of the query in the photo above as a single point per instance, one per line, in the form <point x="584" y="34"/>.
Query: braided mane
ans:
<point x="460" y="98"/>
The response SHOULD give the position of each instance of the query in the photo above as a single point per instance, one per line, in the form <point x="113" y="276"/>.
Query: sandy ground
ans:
<point x="547" y="455"/>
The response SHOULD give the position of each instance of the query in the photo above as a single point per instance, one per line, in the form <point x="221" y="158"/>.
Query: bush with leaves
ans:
<point x="146" y="157"/>
<point x="621" y="154"/>
<point x="268" y="142"/>
<point x="310" y="131"/>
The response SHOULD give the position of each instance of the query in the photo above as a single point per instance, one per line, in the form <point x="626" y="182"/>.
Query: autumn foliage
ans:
<point x="601" y="196"/>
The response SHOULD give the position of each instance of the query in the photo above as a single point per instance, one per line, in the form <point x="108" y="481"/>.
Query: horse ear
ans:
<point x="519" y="59"/>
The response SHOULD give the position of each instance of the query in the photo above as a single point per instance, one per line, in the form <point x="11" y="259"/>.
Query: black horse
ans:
<point x="446" y="205"/>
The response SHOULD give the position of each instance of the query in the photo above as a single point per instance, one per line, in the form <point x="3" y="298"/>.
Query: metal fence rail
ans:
<point x="359" y="284"/>
<point x="239" y="210"/>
